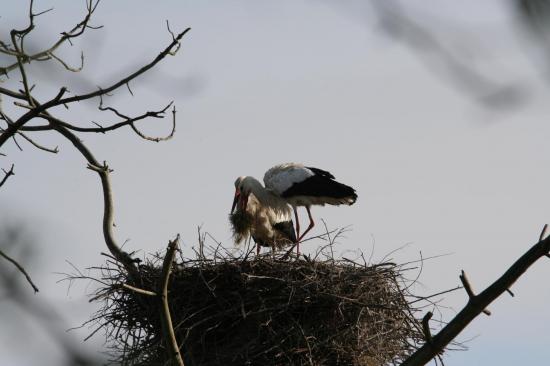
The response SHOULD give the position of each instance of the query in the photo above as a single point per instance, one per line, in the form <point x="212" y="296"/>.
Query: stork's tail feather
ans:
<point x="323" y="187"/>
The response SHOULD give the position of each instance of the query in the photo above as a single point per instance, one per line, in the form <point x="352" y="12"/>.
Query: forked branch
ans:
<point x="477" y="304"/>
<point x="17" y="50"/>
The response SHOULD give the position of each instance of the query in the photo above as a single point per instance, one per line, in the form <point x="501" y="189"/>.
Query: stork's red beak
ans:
<point x="235" y="200"/>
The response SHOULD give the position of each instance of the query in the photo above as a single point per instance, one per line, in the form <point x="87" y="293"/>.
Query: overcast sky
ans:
<point x="450" y="162"/>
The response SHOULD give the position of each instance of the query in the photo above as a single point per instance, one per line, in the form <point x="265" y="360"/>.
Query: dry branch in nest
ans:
<point x="230" y="310"/>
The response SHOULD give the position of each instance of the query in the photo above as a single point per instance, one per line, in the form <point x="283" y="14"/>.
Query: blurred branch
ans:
<point x="21" y="269"/>
<point x="28" y="309"/>
<point x="464" y="75"/>
<point x="7" y="174"/>
<point x="477" y="304"/>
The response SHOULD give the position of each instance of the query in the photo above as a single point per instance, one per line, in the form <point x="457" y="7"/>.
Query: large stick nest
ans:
<point x="263" y="311"/>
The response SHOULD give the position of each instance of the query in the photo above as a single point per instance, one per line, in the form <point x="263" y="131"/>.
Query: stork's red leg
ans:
<point x="297" y="230"/>
<point x="257" y="249"/>
<point x="311" y="225"/>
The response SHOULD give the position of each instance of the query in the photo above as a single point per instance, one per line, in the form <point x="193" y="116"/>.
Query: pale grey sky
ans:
<point x="258" y="83"/>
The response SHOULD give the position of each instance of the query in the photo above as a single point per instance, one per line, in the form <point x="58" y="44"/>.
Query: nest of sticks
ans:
<point x="266" y="310"/>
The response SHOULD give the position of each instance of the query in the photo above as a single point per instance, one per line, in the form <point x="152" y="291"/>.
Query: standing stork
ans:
<point x="265" y="225"/>
<point x="295" y="185"/>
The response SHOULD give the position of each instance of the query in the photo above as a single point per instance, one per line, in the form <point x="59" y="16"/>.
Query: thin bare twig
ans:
<point x="138" y="290"/>
<point x="150" y="114"/>
<point x="65" y="65"/>
<point x="542" y="235"/>
<point x="37" y="145"/>
<point x="21" y="269"/>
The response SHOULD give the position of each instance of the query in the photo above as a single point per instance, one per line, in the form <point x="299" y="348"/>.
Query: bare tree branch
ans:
<point x="58" y="100"/>
<point x="477" y="304"/>
<point x="108" y="216"/>
<point x="12" y="93"/>
<point x="130" y="121"/>
<point x="174" y="44"/>
<point x="47" y="53"/>
<point x="101" y="129"/>
<point x="170" y="336"/>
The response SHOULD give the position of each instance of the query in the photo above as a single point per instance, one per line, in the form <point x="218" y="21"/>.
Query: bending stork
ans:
<point x="295" y="185"/>
<point x="267" y="227"/>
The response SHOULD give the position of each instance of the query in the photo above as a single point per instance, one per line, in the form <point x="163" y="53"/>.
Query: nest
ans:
<point x="263" y="311"/>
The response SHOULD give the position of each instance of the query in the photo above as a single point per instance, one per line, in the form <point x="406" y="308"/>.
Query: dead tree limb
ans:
<point x="478" y="303"/>
<point x="35" y="109"/>
<point x="24" y="97"/>
<point x="169" y="335"/>
<point x="46" y="54"/>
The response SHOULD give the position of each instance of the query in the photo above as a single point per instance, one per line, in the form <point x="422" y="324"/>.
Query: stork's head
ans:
<point x="242" y="190"/>
<point x="244" y="186"/>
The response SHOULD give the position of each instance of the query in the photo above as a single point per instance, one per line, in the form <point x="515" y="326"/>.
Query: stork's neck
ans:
<point x="265" y="196"/>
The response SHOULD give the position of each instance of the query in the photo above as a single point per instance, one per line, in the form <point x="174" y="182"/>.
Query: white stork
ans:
<point x="295" y="185"/>
<point x="266" y="226"/>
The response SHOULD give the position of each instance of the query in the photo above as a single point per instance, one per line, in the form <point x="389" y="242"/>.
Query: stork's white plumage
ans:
<point x="295" y="185"/>
<point x="268" y="227"/>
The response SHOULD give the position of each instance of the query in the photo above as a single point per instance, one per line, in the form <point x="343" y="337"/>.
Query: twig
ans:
<point x="37" y="145"/>
<point x="543" y="232"/>
<point x="426" y="326"/>
<point x="7" y="174"/>
<point x="138" y="290"/>
<point x="21" y="269"/>
<point x="65" y="65"/>
<point x="424" y="298"/>
<point x="153" y="114"/>
<point x="470" y="290"/>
